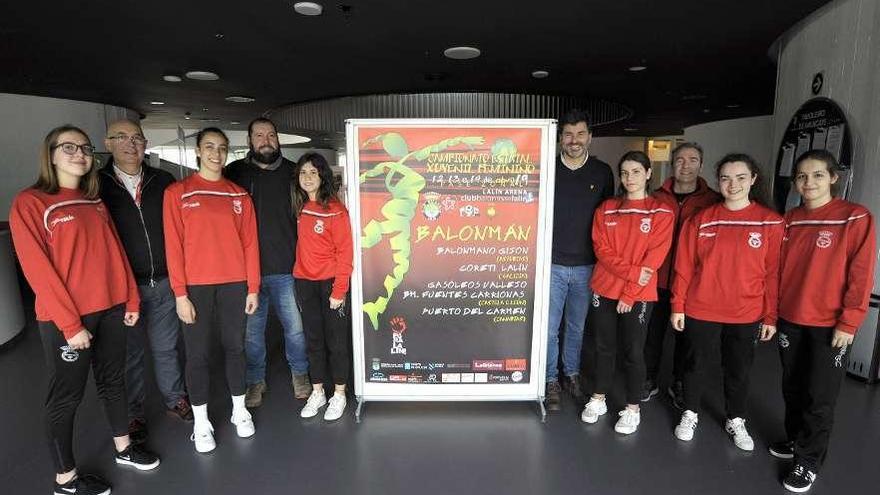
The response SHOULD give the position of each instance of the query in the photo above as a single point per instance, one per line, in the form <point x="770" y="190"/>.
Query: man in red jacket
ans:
<point x="687" y="193"/>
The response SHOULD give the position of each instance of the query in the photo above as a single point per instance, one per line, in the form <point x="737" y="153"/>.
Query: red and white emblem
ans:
<point x="645" y="227"/>
<point x="319" y="227"/>
<point x="824" y="239"/>
<point x="236" y="206"/>
<point x="755" y="239"/>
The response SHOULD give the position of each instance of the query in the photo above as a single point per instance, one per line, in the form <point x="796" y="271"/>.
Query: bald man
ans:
<point x="133" y="193"/>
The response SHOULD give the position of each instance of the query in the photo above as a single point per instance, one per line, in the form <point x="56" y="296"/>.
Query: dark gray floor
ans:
<point x="436" y="448"/>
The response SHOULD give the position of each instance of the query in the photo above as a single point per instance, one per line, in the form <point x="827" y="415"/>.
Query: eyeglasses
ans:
<point x="70" y="148"/>
<point x="135" y="140"/>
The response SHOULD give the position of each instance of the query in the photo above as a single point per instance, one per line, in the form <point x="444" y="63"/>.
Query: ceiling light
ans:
<point x="706" y="110"/>
<point x="157" y="102"/>
<point x="234" y="122"/>
<point x="210" y="119"/>
<point x="308" y="8"/>
<point x="540" y="74"/>
<point x="637" y="68"/>
<point x="171" y="78"/>
<point x="202" y="75"/>
<point x="630" y="129"/>
<point x="239" y="99"/>
<point x="733" y="105"/>
<point x="461" y="52"/>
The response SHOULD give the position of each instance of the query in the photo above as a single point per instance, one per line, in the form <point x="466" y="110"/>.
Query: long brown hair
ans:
<point x="327" y="189"/>
<point x="47" y="181"/>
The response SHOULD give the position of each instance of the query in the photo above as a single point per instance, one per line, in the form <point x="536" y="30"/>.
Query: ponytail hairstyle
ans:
<point x="204" y="132"/>
<point x="633" y="156"/>
<point x="824" y="156"/>
<point x="758" y="191"/>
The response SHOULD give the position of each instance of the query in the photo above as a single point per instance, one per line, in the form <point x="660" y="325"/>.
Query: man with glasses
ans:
<point x="268" y="177"/>
<point x="133" y="193"/>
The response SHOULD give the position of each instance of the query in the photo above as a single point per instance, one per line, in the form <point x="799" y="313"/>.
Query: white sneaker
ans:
<point x="686" y="427"/>
<point x="244" y="423"/>
<point x="336" y="407"/>
<point x="316" y="401"/>
<point x="628" y="422"/>
<point x="736" y="428"/>
<point x="204" y="439"/>
<point x="593" y="409"/>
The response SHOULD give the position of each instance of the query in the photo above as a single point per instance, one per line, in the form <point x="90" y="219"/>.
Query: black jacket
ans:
<point x="140" y="229"/>
<point x="271" y="192"/>
<point x="578" y="194"/>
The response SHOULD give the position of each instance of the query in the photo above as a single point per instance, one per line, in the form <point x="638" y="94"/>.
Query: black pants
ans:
<point x="657" y="329"/>
<point x="68" y="371"/>
<point x="607" y="328"/>
<point x="738" y="342"/>
<point x="219" y="308"/>
<point x="811" y="374"/>
<point x="327" y="331"/>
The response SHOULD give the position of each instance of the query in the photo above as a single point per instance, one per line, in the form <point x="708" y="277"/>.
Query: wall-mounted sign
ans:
<point x="818" y="82"/>
<point x="818" y="124"/>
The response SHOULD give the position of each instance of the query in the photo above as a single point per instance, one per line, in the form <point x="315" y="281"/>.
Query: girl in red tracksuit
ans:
<point x="725" y="287"/>
<point x="321" y="272"/>
<point x="827" y="268"/>
<point x="85" y="297"/>
<point x="631" y="236"/>
<point x="214" y="270"/>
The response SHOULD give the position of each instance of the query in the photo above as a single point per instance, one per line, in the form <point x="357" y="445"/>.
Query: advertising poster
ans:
<point x="451" y="255"/>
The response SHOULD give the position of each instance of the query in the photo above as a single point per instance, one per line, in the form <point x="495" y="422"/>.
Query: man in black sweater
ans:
<point x="133" y="194"/>
<point x="268" y="177"/>
<point x="582" y="182"/>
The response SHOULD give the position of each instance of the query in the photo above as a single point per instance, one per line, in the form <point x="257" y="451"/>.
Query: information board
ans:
<point x="452" y="254"/>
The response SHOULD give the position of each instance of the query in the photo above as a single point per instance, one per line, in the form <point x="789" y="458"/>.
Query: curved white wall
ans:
<point x="842" y="40"/>
<point x="749" y="135"/>
<point x="27" y="120"/>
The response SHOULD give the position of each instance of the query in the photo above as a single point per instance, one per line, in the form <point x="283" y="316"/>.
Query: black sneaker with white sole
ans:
<point x="137" y="457"/>
<point x="799" y="480"/>
<point x="782" y="450"/>
<point x="86" y="484"/>
<point x="650" y="389"/>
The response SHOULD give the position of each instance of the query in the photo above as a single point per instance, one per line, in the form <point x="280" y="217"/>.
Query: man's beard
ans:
<point x="266" y="158"/>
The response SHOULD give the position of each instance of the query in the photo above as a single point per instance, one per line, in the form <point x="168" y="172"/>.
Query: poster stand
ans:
<point x="452" y="223"/>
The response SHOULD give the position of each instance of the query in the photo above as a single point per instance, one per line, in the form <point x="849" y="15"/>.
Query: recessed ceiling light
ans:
<point x="205" y="109"/>
<point x="239" y="99"/>
<point x="157" y="102"/>
<point x="733" y="105"/>
<point x="202" y="75"/>
<point x="461" y="52"/>
<point x="706" y="110"/>
<point x="637" y="68"/>
<point x="210" y="119"/>
<point x="171" y="78"/>
<point x="234" y="122"/>
<point x="540" y="74"/>
<point x="308" y="8"/>
<point x="630" y="129"/>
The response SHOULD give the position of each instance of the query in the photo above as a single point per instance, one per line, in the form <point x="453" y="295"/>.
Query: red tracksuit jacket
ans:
<point x="727" y="265"/>
<point x="210" y="235"/>
<point x="71" y="256"/>
<point x="324" y="246"/>
<point x="628" y="235"/>
<point x="828" y="259"/>
<point x="702" y="197"/>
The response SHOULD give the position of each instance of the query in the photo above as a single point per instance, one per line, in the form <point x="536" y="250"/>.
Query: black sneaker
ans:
<point x="554" y="400"/>
<point x="574" y="388"/>
<point x="782" y="450"/>
<point x="137" y="430"/>
<point x="86" y="484"/>
<point x="137" y="456"/>
<point x="799" y="480"/>
<point x="676" y="393"/>
<point x="650" y="390"/>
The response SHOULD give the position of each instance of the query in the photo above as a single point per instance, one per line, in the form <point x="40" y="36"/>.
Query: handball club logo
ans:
<point x="319" y="227"/>
<point x="824" y="239"/>
<point x="645" y="227"/>
<point x="755" y="239"/>
<point x="236" y="206"/>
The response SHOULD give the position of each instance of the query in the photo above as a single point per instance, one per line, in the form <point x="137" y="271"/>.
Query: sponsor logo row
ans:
<point x="514" y="377"/>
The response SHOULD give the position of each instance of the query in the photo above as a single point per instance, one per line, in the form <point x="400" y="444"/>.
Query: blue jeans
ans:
<point x="159" y="321"/>
<point x="279" y="291"/>
<point x="569" y="296"/>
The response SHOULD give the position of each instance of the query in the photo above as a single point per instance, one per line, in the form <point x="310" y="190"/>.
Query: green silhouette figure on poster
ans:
<point x="405" y="185"/>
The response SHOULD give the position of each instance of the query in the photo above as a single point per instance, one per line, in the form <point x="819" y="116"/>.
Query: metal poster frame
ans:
<point x="534" y="389"/>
